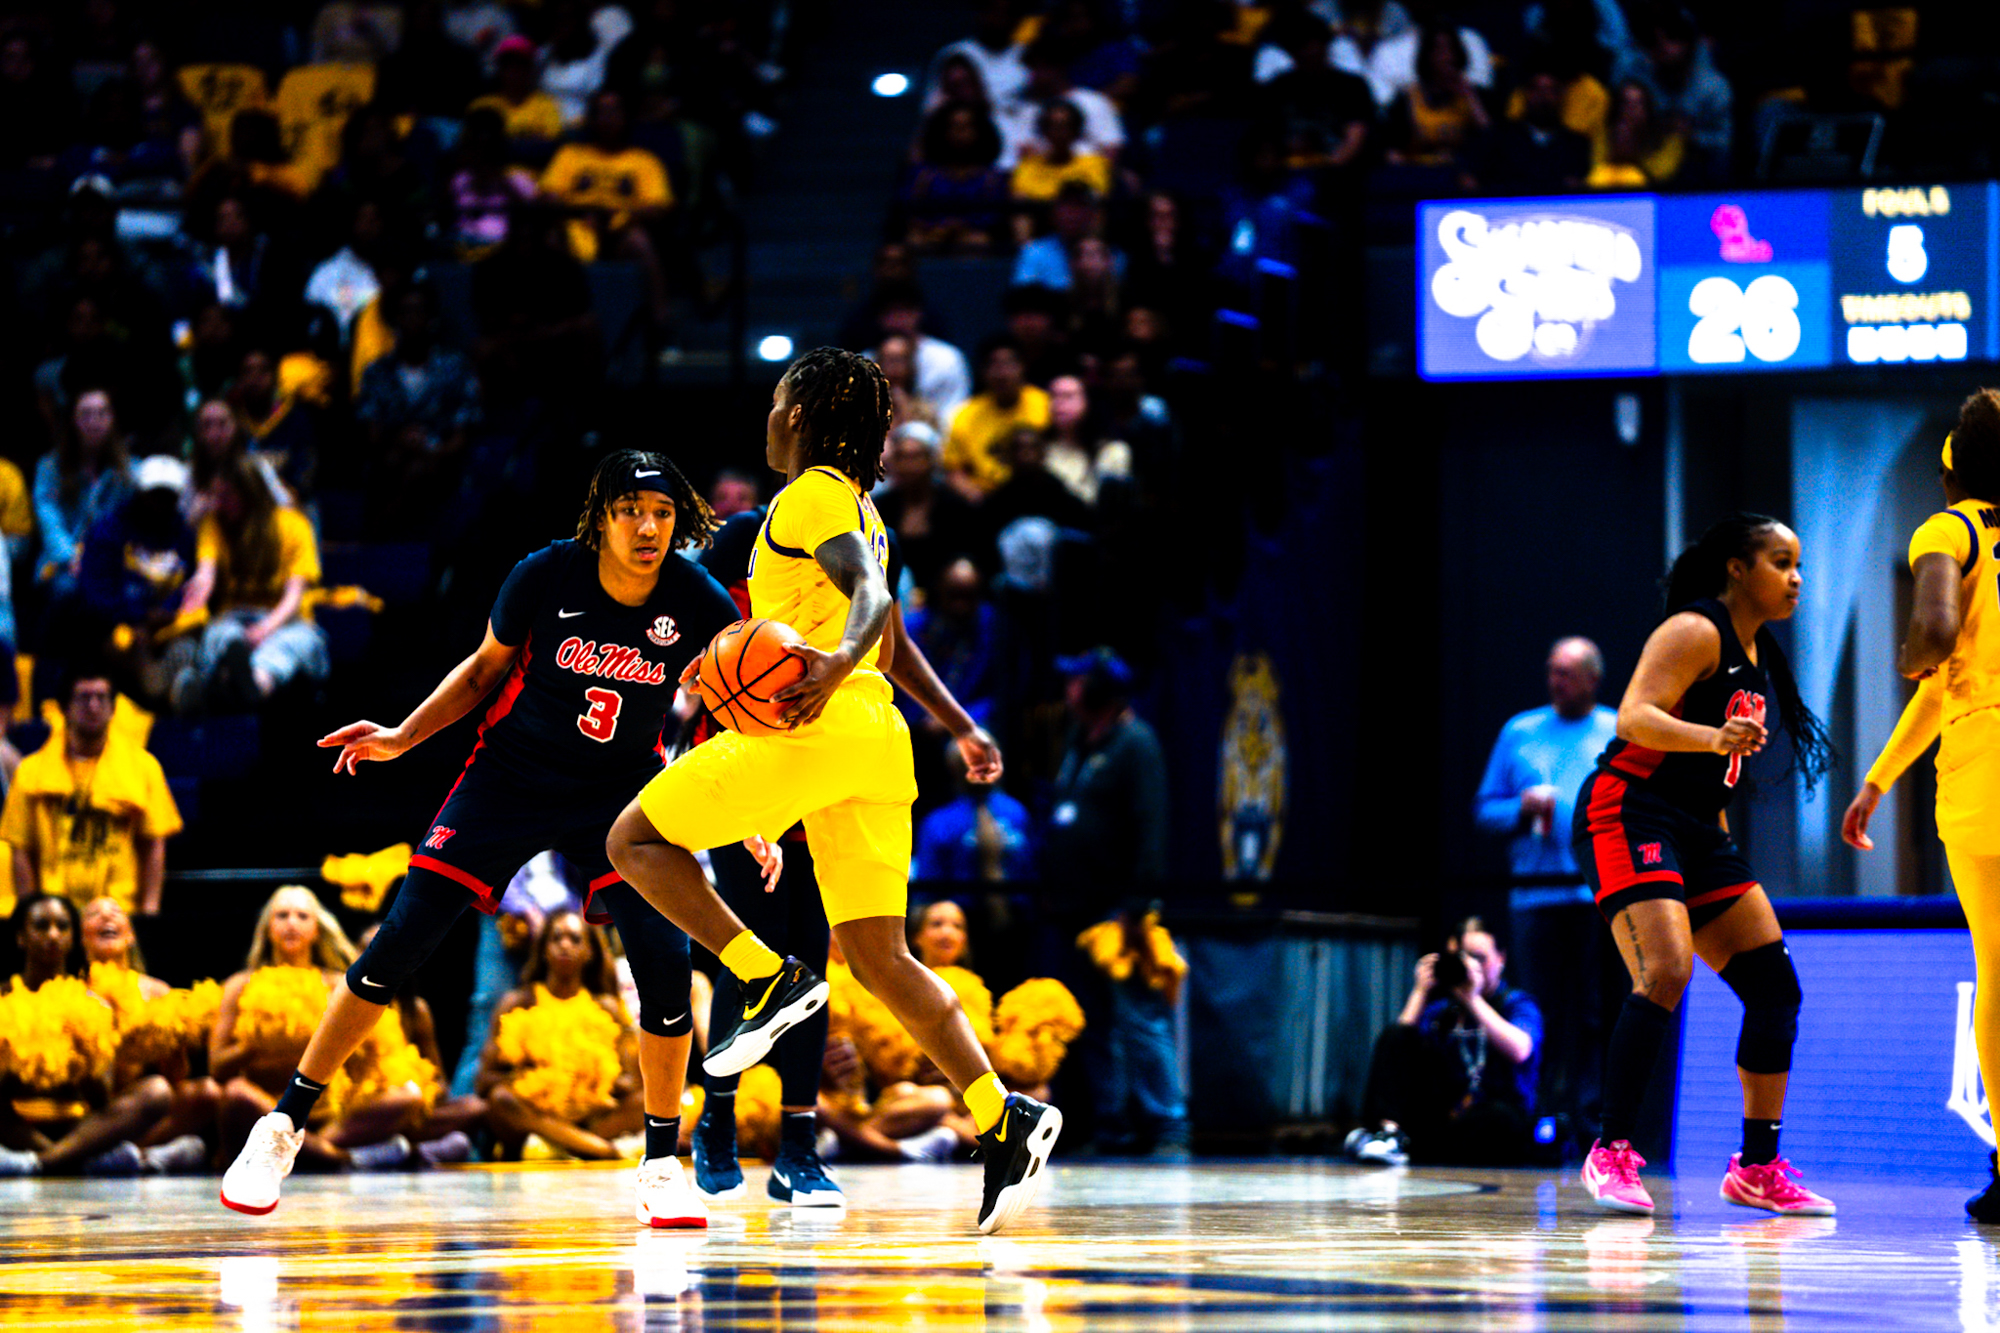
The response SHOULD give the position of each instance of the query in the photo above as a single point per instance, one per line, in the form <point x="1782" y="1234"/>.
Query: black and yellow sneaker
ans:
<point x="1985" y="1206"/>
<point x="1015" y="1150"/>
<point x="780" y="1005"/>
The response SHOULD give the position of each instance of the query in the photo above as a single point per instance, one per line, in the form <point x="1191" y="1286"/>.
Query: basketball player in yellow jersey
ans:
<point x="1953" y="650"/>
<point x="844" y="769"/>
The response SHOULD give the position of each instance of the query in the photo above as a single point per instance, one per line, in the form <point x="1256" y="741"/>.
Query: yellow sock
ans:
<point x="986" y="1099"/>
<point x="750" y="958"/>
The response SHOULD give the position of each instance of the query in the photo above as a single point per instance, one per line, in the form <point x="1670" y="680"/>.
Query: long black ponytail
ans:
<point x="1703" y="571"/>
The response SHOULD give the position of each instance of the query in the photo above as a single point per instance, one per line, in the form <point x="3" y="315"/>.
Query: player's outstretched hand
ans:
<point x="982" y="756"/>
<point x="1854" y="824"/>
<point x="770" y="859"/>
<point x="363" y="740"/>
<point x="806" y="699"/>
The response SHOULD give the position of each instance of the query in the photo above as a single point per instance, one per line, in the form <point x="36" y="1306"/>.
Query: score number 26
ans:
<point x="1762" y="319"/>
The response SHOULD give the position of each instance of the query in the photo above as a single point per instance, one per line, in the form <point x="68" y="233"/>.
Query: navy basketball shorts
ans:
<point x="493" y="823"/>
<point x="1634" y="846"/>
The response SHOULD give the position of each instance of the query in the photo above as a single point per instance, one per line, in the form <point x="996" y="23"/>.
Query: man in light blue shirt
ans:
<point x="1540" y="761"/>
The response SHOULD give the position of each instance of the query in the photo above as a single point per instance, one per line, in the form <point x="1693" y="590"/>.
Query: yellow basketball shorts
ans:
<point x="848" y="777"/>
<point x="1968" y="799"/>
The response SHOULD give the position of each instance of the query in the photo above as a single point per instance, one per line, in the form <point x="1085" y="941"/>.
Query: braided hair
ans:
<point x="1975" y="446"/>
<point x="618" y="476"/>
<point x="847" y="411"/>
<point x="1703" y="571"/>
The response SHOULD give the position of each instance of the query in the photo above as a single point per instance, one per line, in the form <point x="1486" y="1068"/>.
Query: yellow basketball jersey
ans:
<point x="1969" y="532"/>
<point x="786" y="582"/>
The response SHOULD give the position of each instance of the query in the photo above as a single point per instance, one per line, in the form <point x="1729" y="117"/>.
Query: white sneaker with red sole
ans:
<point x="252" y="1183"/>
<point x="665" y="1197"/>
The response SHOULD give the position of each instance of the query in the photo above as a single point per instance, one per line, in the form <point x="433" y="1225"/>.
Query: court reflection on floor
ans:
<point x="1200" y="1248"/>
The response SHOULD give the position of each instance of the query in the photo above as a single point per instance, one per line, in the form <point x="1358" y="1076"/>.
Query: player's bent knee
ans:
<point x="1767" y="983"/>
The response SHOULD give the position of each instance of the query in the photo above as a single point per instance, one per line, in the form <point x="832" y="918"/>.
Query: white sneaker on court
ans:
<point x="665" y="1197"/>
<point x="252" y="1182"/>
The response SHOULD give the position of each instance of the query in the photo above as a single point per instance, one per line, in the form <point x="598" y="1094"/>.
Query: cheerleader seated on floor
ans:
<point x="913" y="1113"/>
<point x="560" y="1072"/>
<point x="61" y="1111"/>
<point x="268" y="1013"/>
<point x="161" y="1030"/>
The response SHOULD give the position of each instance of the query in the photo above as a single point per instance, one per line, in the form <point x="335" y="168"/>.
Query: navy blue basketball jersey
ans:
<point x="594" y="684"/>
<point x="1700" y="783"/>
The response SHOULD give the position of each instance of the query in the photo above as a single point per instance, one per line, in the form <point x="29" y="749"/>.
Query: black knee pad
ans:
<point x="1767" y="983"/>
<point x="661" y="978"/>
<point x="425" y="909"/>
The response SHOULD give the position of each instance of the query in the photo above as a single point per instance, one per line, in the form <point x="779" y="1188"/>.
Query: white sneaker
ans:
<point x="665" y="1197"/>
<point x="252" y="1181"/>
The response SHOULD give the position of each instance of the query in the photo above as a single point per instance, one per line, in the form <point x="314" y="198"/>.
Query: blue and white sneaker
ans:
<point x="717" y="1173"/>
<point x="799" y="1178"/>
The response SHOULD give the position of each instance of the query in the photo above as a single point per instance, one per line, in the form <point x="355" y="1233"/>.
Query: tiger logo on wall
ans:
<point x="1968" y="1095"/>
<point x="1252" y="802"/>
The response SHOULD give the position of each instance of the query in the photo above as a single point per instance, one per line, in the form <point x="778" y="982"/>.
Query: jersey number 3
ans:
<point x="600" y="720"/>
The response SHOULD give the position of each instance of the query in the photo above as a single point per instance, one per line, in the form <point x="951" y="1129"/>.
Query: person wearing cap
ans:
<point x="1108" y="825"/>
<point x="527" y="111"/>
<point x="136" y="560"/>
<point x="89" y="814"/>
<point x="1107" y="839"/>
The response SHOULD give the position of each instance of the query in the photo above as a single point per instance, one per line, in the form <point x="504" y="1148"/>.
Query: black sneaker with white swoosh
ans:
<point x="770" y="1010"/>
<point x="1015" y="1151"/>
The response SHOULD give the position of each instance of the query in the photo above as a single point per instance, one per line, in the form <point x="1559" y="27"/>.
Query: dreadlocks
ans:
<point x="629" y="471"/>
<point x="847" y="411"/>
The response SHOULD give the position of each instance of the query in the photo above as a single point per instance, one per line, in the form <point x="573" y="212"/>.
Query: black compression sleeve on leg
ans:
<point x="1628" y="1067"/>
<point x="425" y="909"/>
<point x="1767" y="983"/>
<point x="658" y="953"/>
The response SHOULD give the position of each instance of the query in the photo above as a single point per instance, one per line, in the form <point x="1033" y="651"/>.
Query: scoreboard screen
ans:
<point x="1697" y="284"/>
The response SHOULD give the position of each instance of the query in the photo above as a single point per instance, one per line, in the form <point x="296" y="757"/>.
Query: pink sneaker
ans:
<point x="1774" y="1187"/>
<point x="1611" y="1174"/>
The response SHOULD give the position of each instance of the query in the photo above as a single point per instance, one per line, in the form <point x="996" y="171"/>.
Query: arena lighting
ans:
<point x="774" y="347"/>
<point x="890" y="85"/>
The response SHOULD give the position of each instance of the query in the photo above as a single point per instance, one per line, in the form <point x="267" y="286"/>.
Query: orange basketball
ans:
<point x="741" y="669"/>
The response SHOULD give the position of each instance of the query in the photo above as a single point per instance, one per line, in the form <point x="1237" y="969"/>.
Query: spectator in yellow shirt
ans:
<point x="613" y="192"/>
<point x="527" y="111"/>
<point x="982" y="431"/>
<point x="1042" y="172"/>
<point x="89" y="814"/>
<point x="254" y="561"/>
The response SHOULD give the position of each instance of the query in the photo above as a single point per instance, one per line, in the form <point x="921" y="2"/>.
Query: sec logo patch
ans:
<point x="663" y="631"/>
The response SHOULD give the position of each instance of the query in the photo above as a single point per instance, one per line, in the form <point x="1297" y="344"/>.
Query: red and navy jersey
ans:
<point x="1700" y="783"/>
<point x="594" y="683"/>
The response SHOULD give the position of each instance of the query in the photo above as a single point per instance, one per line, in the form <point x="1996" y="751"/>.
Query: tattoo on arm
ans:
<point x="853" y="569"/>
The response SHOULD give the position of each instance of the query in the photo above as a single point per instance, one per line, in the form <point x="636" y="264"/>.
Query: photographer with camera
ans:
<point x="1453" y="1078"/>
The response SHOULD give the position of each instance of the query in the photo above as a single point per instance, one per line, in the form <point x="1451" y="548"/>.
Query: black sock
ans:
<point x="1760" y="1141"/>
<point x="718" y="1113"/>
<point x="1628" y="1067"/>
<point x="663" y="1137"/>
<point x="299" y="1098"/>
<point x="801" y="1132"/>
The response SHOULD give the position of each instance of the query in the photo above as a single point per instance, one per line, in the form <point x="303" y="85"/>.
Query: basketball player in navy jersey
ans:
<point x="795" y="920"/>
<point x="1653" y="836"/>
<point x="586" y="643"/>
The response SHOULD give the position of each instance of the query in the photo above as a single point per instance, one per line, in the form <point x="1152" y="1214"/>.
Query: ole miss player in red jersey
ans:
<point x="1653" y="836"/>
<point x="586" y="645"/>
